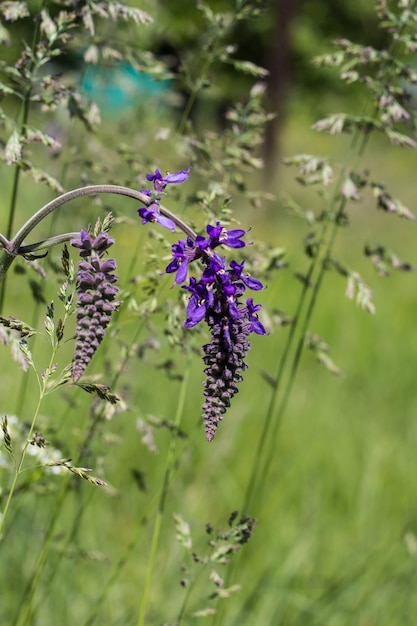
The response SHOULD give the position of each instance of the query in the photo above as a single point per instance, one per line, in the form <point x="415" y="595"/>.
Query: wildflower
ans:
<point x="256" y="325"/>
<point x="183" y="253"/>
<point x="160" y="182"/>
<point x="237" y="270"/>
<point x="95" y="299"/>
<point x="197" y="304"/>
<point x="152" y="213"/>
<point x="219" y="235"/>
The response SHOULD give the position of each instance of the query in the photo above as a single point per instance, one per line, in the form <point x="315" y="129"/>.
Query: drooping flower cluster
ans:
<point x="216" y="298"/>
<point x="96" y="296"/>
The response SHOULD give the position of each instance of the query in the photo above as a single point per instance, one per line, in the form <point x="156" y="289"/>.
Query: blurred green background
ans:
<point x="336" y="537"/>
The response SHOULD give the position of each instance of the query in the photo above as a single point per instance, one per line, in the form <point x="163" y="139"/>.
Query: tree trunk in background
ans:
<point x="279" y="65"/>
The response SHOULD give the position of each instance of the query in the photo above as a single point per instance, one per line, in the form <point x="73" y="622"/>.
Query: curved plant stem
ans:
<point x="47" y="243"/>
<point x="14" y="246"/>
<point x="170" y="462"/>
<point x="90" y="190"/>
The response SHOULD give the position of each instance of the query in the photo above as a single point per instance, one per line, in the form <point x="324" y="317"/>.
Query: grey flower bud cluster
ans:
<point x="96" y="293"/>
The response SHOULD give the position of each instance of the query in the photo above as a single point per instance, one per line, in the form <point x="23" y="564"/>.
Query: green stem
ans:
<point x="42" y="394"/>
<point x="47" y="243"/>
<point x="18" y="470"/>
<point x="23" y="454"/>
<point x="83" y="448"/>
<point x="254" y="478"/>
<point x="14" y="246"/>
<point x="299" y="349"/>
<point x="170" y="463"/>
<point x="26" y="609"/>
<point x="90" y="190"/>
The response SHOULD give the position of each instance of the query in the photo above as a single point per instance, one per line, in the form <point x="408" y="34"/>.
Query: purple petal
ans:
<point x="257" y="327"/>
<point x="237" y="233"/>
<point x="165" y="222"/>
<point x="182" y="273"/>
<point x="108" y="265"/>
<point x="172" y="266"/>
<point x="156" y="176"/>
<point x="195" y="310"/>
<point x="178" y="177"/>
<point x="252" y="283"/>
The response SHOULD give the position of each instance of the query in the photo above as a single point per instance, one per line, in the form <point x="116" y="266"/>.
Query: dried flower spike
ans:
<point x="96" y="297"/>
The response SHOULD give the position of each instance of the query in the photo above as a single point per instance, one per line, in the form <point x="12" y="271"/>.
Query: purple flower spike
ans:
<point x="215" y="298"/>
<point x="224" y="357"/>
<point x="96" y="295"/>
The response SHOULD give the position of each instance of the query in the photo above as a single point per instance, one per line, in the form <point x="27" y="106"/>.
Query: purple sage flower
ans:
<point x="152" y="214"/>
<point x="183" y="253"/>
<point x="251" y="283"/>
<point x="160" y="182"/>
<point x="231" y="238"/>
<point x="96" y="293"/>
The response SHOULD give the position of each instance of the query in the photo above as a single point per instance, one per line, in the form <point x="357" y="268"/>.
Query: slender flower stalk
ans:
<point x="43" y="391"/>
<point x="13" y="247"/>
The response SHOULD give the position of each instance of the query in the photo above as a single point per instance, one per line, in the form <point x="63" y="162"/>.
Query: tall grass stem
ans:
<point x="170" y="462"/>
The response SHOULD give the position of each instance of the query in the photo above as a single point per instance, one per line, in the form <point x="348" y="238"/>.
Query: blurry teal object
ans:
<point x="122" y="87"/>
